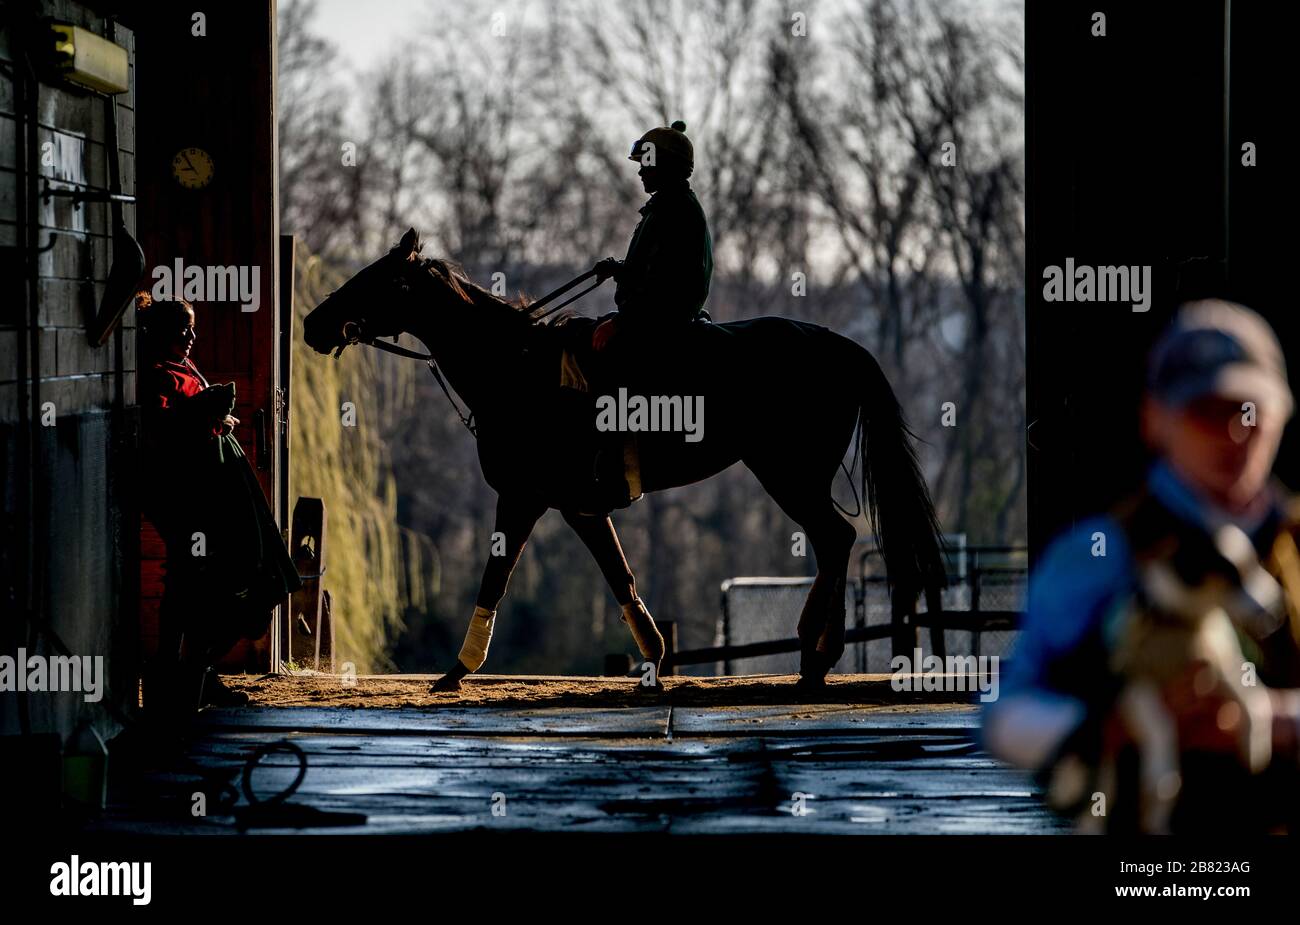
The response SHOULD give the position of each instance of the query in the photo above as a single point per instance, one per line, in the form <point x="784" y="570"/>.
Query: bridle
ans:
<point x="354" y="333"/>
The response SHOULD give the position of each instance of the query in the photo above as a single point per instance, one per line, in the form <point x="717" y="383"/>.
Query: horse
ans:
<point x="786" y="398"/>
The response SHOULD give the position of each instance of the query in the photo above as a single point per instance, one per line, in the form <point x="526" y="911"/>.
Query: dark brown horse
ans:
<point x="784" y="397"/>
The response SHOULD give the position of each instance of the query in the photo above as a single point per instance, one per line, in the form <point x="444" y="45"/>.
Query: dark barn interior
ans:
<point x="1134" y="157"/>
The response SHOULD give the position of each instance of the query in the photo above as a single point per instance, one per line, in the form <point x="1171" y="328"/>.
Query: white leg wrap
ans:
<point x="644" y="631"/>
<point x="477" y="638"/>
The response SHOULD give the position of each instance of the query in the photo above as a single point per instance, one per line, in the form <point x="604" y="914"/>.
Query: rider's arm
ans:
<point x="636" y="295"/>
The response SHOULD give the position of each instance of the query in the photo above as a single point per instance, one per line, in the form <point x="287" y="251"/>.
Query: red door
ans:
<point x="206" y="181"/>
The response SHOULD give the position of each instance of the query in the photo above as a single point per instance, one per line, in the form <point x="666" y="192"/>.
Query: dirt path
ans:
<point x="389" y="691"/>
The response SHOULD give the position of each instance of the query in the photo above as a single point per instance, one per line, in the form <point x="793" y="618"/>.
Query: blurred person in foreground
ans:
<point x="1152" y="687"/>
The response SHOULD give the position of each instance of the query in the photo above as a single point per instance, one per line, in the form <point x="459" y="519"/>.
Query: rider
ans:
<point x="663" y="281"/>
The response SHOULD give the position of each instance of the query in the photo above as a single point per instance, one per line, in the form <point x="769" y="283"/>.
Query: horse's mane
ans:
<point x="519" y="309"/>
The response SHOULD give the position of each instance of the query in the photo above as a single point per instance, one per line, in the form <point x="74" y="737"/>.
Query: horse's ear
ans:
<point x="410" y="243"/>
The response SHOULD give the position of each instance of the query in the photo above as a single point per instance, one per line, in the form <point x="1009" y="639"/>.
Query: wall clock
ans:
<point x="192" y="168"/>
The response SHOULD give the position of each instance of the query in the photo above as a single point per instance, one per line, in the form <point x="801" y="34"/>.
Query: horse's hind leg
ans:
<point x="821" y="624"/>
<point x="515" y="520"/>
<point x="600" y="538"/>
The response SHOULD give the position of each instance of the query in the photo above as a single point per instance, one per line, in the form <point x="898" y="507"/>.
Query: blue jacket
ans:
<point x="1076" y="599"/>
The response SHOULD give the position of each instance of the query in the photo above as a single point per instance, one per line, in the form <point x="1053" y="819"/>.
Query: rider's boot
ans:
<point x="610" y="472"/>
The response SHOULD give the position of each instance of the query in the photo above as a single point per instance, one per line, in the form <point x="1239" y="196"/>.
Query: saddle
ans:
<point x="675" y="358"/>
<point x="584" y="375"/>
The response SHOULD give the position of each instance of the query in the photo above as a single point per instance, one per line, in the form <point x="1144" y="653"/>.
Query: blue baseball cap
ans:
<point x="1219" y="348"/>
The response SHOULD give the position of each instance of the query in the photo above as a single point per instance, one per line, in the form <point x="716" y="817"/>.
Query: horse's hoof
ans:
<point x="810" y="684"/>
<point x="646" y="690"/>
<point x="447" y="684"/>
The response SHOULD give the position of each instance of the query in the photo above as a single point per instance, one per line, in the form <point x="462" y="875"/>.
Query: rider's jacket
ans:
<point x="664" y="279"/>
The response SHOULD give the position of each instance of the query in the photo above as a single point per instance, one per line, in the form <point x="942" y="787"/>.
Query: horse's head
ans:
<point x="377" y="301"/>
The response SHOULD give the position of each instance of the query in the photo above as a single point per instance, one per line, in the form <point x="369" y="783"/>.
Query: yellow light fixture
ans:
<point x="89" y="60"/>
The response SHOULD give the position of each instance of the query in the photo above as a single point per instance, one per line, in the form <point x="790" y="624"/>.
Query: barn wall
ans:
<point x="76" y="550"/>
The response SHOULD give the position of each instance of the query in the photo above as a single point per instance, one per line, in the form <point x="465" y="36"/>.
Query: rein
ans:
<point x="561" y="291"/>
<point x="358" y="337"/>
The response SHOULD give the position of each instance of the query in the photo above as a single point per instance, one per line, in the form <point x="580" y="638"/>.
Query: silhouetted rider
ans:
<point x="663" y="283"/>
<point x="664" y="279"/>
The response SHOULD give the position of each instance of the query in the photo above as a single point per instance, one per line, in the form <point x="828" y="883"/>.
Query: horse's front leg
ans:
<point x="515" y="520"/>
<point x="599" y="536"/>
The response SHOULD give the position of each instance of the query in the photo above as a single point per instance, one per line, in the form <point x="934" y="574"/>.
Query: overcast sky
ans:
<point x="362" y="31"/>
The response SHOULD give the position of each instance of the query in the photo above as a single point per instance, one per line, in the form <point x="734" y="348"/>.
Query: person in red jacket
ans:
<point x="170" y="376"/>
<point x="226" y="564"/>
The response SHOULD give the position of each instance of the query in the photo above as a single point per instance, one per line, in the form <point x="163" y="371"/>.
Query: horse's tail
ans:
<point x="897" y="500"/>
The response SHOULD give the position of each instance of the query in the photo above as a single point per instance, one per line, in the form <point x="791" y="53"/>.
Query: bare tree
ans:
<point x="952" y="83"/>
<point x="320" y="195"/>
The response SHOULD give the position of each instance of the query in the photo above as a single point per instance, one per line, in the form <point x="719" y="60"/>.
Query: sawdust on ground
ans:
<point x="530" y="691"/>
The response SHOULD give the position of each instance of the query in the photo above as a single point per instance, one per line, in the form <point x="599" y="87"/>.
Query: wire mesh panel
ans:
<point x="765" y="609"/>
<point x="981" y="580"/>
<point x="1000" y="588"/>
